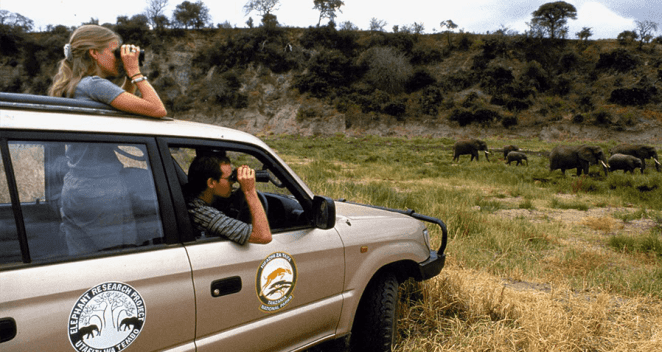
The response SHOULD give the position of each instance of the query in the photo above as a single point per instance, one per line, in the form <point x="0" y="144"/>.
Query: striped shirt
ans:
<point x="214" y="223"/>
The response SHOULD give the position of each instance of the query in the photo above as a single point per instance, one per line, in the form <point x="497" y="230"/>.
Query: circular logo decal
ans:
<point x="275" y="281"/>
<point x="108" y="317"/>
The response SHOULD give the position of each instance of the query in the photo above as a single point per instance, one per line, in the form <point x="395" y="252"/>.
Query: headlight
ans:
<point x="426" y="237"/>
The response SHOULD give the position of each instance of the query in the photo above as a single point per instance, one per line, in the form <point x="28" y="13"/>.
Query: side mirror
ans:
<point x="324" y="210"/>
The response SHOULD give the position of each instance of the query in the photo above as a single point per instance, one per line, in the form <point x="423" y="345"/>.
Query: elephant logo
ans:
<point x="107" y="317"/>
<point x="275" y="281"/>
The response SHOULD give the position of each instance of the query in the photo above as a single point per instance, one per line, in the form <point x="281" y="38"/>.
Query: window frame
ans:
<point x="166" y="210"/>
<point x="165" y="143"/>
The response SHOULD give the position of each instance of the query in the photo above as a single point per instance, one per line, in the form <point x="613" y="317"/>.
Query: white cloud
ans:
<point x="603" y="22"/>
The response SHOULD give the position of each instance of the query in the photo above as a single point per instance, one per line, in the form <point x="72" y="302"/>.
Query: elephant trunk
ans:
<point x="605" y="167"/>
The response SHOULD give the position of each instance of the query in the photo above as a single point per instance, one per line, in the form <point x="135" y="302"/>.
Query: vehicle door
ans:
<point x="89" y="254"/>
<point x="256" y="297"/>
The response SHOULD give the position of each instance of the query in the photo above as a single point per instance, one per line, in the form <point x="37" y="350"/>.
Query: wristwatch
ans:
<point x="143" y="78"/>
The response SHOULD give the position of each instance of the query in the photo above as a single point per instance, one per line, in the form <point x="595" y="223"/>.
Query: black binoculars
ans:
<point x="260" y="176"/>
<point x="141" y="56"/>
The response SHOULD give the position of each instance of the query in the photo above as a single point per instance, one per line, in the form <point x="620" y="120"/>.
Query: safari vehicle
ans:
<point x="330" y="275"/>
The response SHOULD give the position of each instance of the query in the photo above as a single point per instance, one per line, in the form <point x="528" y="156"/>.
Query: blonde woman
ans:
<point x="95" y="202"/>
<point x="89" y="60"/>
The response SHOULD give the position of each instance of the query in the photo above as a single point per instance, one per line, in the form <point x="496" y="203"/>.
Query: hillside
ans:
<point x="273" y="80"/>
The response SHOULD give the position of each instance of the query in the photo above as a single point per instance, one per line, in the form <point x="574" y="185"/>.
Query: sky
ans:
<point x="606" y="18"/>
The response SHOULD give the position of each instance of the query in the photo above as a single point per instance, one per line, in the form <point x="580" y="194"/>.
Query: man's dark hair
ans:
<point x="203" y="168"/>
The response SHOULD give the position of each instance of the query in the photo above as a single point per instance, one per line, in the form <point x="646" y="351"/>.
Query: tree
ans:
<point x="584" y="34"/>
<point x="16" y="21"/>
<point x="348" y="26"/>
<point x="154" y="13"/>
<point x="190" y="14"/>
<point x="377" y="25"/>
<point x="553" y="17"/>
<point x="451" y="26"/>
<point x="263" y="7"/>
<point x="645" y="30"/>
<point x="627" y="37"/>
<point x="327" y="9"/>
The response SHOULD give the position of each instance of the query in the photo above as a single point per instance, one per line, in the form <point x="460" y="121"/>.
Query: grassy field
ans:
<point x="537" y="261"/>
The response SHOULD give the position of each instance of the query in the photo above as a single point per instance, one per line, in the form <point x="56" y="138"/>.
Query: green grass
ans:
<point x="576" y="270"/>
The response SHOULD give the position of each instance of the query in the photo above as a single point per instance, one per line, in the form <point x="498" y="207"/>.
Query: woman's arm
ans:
<point x="150" y="104"/>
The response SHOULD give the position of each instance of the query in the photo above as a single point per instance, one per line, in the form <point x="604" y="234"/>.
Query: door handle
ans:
<point x="7" y="329"/>
<point x="225" y="286"/>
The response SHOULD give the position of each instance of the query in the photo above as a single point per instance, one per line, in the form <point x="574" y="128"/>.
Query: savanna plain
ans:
<point x="536" y="261"/>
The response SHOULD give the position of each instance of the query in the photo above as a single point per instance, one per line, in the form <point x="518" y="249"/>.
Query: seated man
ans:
<point x="208" y="178"/>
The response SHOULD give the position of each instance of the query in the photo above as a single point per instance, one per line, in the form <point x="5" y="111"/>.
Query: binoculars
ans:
<point x="260" y="176"/>
<point x="141" y="56"/>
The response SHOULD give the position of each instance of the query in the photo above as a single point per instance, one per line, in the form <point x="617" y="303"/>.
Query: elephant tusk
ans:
<point x="603" y="164"/>
<point x="657" y="162"/>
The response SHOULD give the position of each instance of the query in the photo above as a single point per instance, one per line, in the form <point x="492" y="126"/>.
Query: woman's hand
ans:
<point x="130" y="54"/>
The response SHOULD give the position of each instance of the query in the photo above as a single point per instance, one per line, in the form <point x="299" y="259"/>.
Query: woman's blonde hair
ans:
<point x="77" y="62"/>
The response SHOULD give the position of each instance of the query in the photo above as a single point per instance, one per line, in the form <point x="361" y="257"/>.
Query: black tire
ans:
<point x="375" y="324"/>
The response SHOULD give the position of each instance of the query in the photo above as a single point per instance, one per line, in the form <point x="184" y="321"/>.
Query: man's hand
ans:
<point x="246" y="179"/>
<point x="261" y="231"/>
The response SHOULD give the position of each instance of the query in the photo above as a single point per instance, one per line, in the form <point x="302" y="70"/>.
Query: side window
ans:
<point x="84" y="198"/>
<point x="283" y="210"/>
<point x="10" y="250"/>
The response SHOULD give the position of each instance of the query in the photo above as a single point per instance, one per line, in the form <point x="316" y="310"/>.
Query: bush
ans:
<point x="535" y="76"/>
<point x="431" y="100"/>
<point x="495" y="77"/>
<point x="630" y="96"/>
<point x="509" y="121"/>
<point x="327" y="71"/>
<point x="388" y="69"/>
<point x="419" y="80"/>
<point x="465" y="117"/>
<point x="396" y="108"/>
<point x="579" y="118"/>
<point x="619" y="60"/>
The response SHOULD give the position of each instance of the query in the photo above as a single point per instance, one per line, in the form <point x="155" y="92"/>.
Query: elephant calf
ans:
<point x="517" y="156"/>
<point x="625" y="163"/>
<point x="469" y="146"/>
<point x="509" y="148"/>
<point x="640" y="151"/>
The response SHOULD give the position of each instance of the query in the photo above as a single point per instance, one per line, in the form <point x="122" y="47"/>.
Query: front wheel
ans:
<point x="375" y="324"/>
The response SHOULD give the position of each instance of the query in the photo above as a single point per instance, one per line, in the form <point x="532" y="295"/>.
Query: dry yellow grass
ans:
<point x="467" y="310"/>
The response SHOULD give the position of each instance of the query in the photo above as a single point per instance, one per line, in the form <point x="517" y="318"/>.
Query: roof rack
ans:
<point x="47" y="103"/>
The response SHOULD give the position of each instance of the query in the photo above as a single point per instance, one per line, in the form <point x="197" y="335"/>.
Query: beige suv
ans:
<point x="148" y="281"/>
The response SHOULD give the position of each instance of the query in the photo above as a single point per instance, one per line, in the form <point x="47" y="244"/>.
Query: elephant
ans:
<point x="625" y="163"/>
<point x="642" y="152"/>
<point x="581" y="157"/>
<point x="517" y="156"/>
<point x="509" y="148"/>
<point x="469" y="146"/>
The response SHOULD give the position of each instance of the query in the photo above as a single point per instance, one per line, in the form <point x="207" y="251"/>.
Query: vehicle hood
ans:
<point x="362" y="212"/>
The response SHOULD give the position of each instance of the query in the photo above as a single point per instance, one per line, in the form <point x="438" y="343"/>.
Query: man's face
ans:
<point x="223" y="187"/>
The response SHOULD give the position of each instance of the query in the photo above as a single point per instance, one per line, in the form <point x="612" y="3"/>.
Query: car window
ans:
<point x="10" y="250"/>
<point x="83" y="198"/>
<point x="283" y="209"/>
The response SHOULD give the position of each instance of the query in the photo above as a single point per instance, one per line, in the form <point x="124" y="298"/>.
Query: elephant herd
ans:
<point x="626" y="157"/>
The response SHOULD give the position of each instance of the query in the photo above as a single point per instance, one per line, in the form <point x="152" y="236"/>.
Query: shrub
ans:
<point x="431" y="100"/>
<point x="419" y="80"/>
<point x="509" y="121"/>
<point x="602" y="118"/>
<point x="465" y="117"/>
<point x="630" y="96"/>
<point x="579" y="118"/>
<point x="517" y="104"/>
<point x="396" y="108"/>
<point x="495" y="77"/>
<point x="619" y="60"/>
<point x="388" y="69"/>
<point x="426" y="54"/>
<point x="326" y="72"/>
<point x="535" y="76"/>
